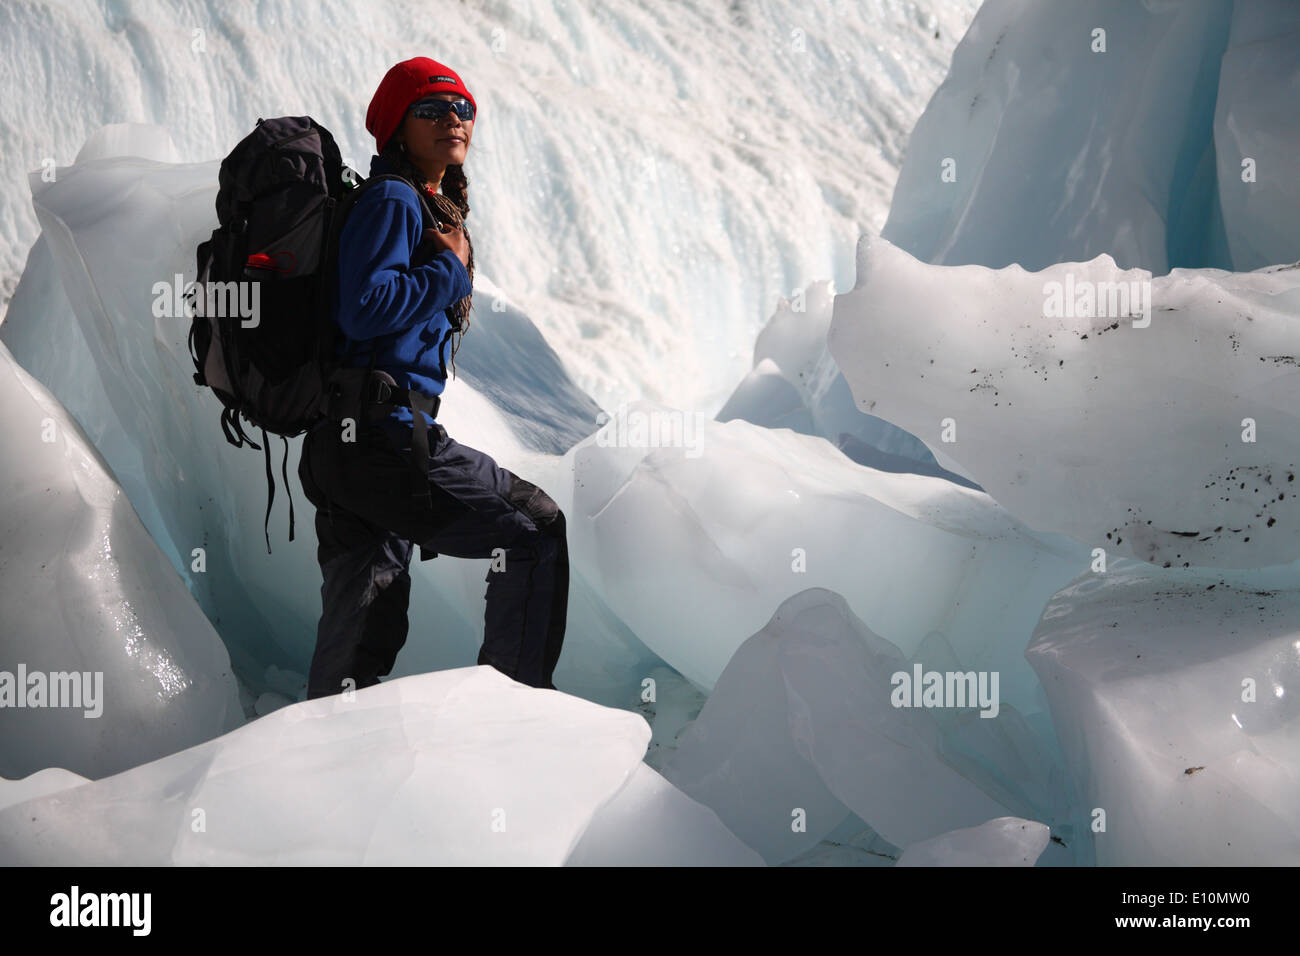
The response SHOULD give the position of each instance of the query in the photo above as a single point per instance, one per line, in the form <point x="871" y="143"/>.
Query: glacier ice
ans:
<point x="1173" y="442"/>
<point x="74" y="322"/>
<point x="649" y="822"/>
<point x="695" y="547"/>
<point x="796" y="384"/>
<point x="852" y="843"/>
<point x="512" y="366"/>
<point x="85" y="590"/>
<point x="1174" y="695"/>
<point x="644" y="822"/>
<point x="1006" y="841"/>
<point x="1040" y="147"/>
<point x="801" y="729"/>
<point x="685" y="558"/>
<point x="458" y="767"/>
<point x="38" y="784"/>
<point x="1257" y="136"/>
<point x="1177" y="441"/>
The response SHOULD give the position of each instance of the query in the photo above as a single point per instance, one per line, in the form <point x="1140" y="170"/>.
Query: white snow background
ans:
<point x="684" y="213"/>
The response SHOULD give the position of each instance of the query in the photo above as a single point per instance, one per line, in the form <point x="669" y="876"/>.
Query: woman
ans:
<point x="403" y="289"/>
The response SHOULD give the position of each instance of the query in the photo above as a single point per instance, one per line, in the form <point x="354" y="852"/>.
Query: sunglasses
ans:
<point x="435" y="109"/>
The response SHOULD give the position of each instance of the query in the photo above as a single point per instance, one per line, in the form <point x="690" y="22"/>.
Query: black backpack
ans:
<point x="261" y="336"/>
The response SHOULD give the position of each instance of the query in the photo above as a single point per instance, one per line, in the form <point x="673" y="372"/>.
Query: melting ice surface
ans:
<point x="758" y="590"/>
<point x="85" y="590"/>
<point x="1173" y="437"/>
<point x="460" y="767"/>
<point x="1175" y="698"/>
<point x="1173" y="147"/>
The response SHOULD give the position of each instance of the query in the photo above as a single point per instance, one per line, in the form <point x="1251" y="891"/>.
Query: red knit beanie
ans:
<point x="401" y="86"/>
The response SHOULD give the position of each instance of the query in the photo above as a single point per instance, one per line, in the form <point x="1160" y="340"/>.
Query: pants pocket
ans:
<point x="536" y="503"/>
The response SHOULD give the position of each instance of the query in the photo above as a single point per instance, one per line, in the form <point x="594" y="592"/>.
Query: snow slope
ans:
<point x="646" y="180"/>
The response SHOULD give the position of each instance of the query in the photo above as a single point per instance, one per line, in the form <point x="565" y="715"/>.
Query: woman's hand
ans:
<point x="453" y="239"/>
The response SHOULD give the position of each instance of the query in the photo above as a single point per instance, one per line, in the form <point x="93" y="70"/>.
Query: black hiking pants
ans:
<point x="373" y="508"/>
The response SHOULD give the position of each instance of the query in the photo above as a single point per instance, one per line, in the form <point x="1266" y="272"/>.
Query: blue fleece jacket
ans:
<point x="386" y="302"/>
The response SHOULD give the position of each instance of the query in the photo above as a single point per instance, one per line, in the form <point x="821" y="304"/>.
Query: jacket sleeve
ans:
<point x="380" y="292"/>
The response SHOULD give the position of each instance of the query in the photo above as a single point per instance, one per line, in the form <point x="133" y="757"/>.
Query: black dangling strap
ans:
<point x="249" y="440"/>
<point x="229" y="421"/>
<point x="234" y="431"/>
<point x="270" y="491"/>
<point x="284" y="473"/>
<point x="225" y="427"/>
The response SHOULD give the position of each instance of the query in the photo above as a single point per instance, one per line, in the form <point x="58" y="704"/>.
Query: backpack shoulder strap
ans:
<point x="426" y="211"/>
<point x="347" y="202"/>
<point x="412" y="399"/>
<point x="341" y="208"/>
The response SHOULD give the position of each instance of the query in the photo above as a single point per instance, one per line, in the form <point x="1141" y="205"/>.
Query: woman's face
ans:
<point x="437" y="144"/>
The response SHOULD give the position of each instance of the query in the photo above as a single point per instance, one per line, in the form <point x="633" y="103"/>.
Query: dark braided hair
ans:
<point x="450" y="207"/>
